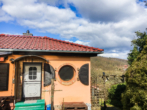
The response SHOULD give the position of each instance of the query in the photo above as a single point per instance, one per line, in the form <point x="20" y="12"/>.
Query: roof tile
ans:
<point x="41" y="43"/>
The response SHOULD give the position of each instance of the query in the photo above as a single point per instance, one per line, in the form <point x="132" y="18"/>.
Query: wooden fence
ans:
<point x="98" y="91"/>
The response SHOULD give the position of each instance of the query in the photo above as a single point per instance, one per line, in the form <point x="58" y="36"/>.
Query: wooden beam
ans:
<point x="52" y="94"/>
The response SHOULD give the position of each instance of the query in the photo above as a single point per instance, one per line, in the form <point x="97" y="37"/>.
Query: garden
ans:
<point x="129" y="92"/>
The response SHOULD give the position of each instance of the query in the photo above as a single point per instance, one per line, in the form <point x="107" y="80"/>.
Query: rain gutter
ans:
<point x="53" y="51"/>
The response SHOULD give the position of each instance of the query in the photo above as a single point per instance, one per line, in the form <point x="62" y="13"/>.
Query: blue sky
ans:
<point x="13" y="27"/>
<point x="105" y="24"/>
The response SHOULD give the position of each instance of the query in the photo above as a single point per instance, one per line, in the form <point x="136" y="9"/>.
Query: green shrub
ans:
<point x="114" y="94"/>
<point x="135" y="96"/>
<point x="136" y="107"/>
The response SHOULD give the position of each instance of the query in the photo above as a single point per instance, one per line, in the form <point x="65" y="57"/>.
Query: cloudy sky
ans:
<point x="106" y="24"/>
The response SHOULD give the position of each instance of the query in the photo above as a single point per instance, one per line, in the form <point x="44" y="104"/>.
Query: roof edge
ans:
<point x="16" y="50"/>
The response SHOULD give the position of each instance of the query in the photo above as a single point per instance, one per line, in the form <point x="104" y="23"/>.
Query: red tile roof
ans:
<point x="41" y="43"/>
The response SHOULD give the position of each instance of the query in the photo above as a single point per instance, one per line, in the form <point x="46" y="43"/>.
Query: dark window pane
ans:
<point x="30" y="73"/>
<point x="4" y="74"/>
<point x="30" y="69"/>
<point x="3" y="68"/>
<point x="66" y="73"/>
<point x="30" y="77"/>
<point x="34" y="77"/>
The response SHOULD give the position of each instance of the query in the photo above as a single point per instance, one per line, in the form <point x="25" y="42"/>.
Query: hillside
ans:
<point x="111" y="66"/>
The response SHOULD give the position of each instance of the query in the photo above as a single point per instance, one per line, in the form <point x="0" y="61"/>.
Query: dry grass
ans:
<point x="111" y="66"/>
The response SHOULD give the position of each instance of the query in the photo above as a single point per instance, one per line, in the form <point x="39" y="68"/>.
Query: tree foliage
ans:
<point x="138" y="46"/>
<point x="114" y="94"/>
<point x="133" y="55"/>
<point x="135" y="96"/>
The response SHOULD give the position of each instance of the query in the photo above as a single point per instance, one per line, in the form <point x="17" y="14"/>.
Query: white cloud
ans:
<point x="105" y="24"/>
<point x="51" y="2"/>
<point x="79" y="42"/>
<point x="54" y="2"/>
<point x="107" y="10"/>
<point x="30" y="10"/>
<point x="4" y="16"/>
<point x="121" y="55"/>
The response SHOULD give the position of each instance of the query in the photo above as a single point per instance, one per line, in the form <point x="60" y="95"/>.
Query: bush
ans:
<point x="135" y="96"/>
<point x="114" y="94"/>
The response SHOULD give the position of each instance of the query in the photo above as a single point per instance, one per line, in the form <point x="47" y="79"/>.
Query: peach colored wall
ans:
<point x="76" y="92"/>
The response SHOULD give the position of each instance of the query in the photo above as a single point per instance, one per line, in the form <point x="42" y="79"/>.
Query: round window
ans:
<point x="66" y="73"/>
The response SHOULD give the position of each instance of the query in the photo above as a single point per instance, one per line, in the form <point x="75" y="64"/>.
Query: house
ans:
<point x="28" y="63"/>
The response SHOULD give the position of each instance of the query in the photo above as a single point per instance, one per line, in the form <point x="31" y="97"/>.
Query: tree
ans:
<point x="114" y="94"/>
<point x="138" y="46"/>
<point x="133" y="55"/>
<point x="135" y="95"/>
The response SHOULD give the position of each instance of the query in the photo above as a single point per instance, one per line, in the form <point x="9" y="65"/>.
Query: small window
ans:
<point x="4" y="76"/>
<point x="66" y="73"/>
<point x="32" y="73"/>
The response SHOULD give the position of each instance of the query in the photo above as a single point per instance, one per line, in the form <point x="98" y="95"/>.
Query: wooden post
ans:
<point x="101" y="100"/>
<point x="63" y="105"/>
<point x="105" y="107"/>
<point x="52" y="94"/>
